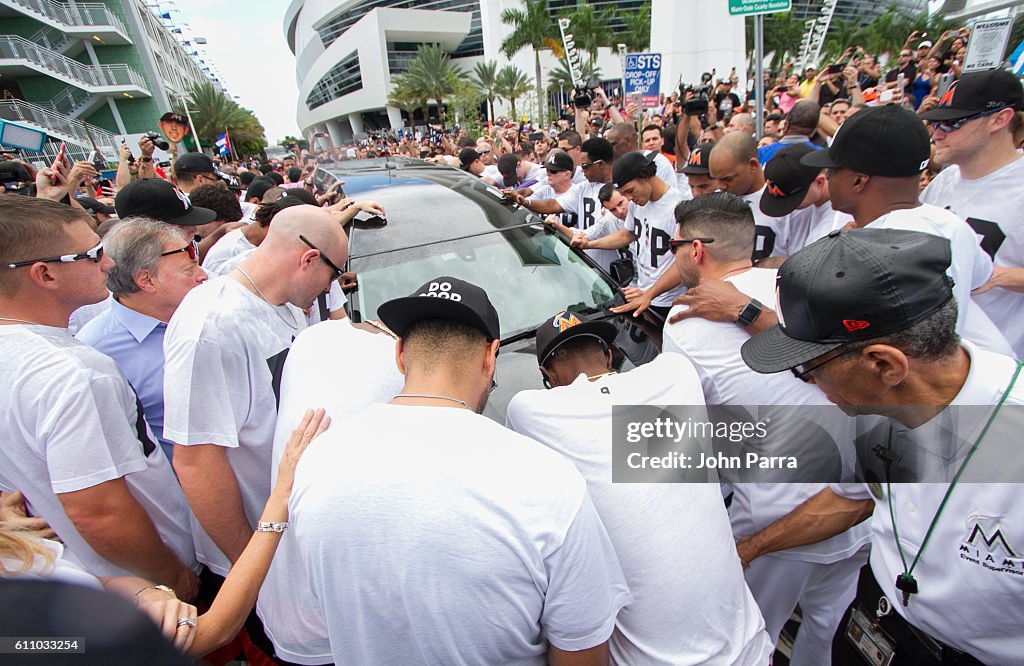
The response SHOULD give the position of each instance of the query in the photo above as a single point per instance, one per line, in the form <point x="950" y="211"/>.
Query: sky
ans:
<point x="245" y="41"/>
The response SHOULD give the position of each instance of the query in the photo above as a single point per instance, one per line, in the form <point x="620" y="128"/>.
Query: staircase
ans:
<point x="84" y="20"/>
<point x="19" y="56"/>
<point x="57" y="125"/>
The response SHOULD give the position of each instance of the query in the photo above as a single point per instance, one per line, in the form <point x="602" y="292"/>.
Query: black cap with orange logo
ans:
<point x="787" y="180"/>
<point x="697" y="164"/>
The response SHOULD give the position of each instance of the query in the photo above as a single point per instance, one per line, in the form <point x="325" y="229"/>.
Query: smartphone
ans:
<point x="900" y="82"/>
<point x="61" y="156"/>
<point x="944" y="82"/>
<point x="834" y="69"/>
<point x="536" y="136"/>
<point x="92" y="157"/>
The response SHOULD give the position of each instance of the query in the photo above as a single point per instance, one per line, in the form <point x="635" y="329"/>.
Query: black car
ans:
<point x="444" y="222"/>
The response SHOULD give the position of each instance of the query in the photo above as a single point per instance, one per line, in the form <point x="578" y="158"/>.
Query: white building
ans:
<point x="346" y="52"/>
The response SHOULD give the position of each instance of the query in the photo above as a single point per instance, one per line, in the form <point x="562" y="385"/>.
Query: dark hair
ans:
<point x="258" y="187"/>
<point x="931" y="339"/>
<point x="575" y="347"/>
<point x="723" y="216"/>
<point x="668" y="136"/>
<point x="804" y="116"/>
<point x="276" y="177"/>
<point x="598" y="148"/>
<point x="266" y="168"/>
<point x="572" y="137"/>
<point x="265" y="212"/>
<point x="650" y="127"/>
<point x="435" y="340"/>
<point x="294" y="174"/>
<point x="219" y="199"/>
<point x="604" y="195"/>
<point x="246" y="177"/>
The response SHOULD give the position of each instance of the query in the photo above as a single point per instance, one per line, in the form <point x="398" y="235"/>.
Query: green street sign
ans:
<point x="750" y="7"/>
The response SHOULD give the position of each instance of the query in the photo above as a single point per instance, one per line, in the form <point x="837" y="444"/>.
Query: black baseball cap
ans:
<point x="697" y="163"/>
<point x="174" y="117"/>
<point x="507" y="164"/>
<point x="629" y="166"/>
<point x="442" y="298"/>
<point x="978" y="92"/>
<point x="565" y="326"/>
<point x="94" y="206"/>
<point x="787" y="180"/>
<point x="887" y="141"/>
<point x="195" y="163"/>
<point x="558" y="160"/>
<point x="467" y="156"/>
<point x="13" y="172"/>
<point x="158" y="199"/>
<point x="851" y="285"/>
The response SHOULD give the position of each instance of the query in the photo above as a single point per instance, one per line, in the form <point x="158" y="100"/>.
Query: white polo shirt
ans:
<point x="224" y="350"/>
<point x="971" y="574"/>
<point x="692" y="605"/>
<point x="434" y="535"/>
<point x="991" y="206"/>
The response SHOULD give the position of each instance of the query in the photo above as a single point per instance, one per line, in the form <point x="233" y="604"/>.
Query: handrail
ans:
<point x="16" y="109"/>
<point x="69" y="99"/>
<point x="51" y="38"/>
<point x="79" y="14"/>
<point x="13" y="46"/>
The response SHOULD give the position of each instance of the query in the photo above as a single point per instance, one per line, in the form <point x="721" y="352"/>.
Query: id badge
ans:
<point x="874" y="645"/>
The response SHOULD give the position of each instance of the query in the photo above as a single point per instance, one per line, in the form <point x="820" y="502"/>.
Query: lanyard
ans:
<point x="906" y="582"/>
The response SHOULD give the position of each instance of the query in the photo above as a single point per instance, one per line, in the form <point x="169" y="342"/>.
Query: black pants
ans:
<point x="910" y="649"/>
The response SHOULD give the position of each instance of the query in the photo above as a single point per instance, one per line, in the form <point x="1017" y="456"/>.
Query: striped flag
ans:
<point x="224" y="144"/>
<point x="1017" y="60"/>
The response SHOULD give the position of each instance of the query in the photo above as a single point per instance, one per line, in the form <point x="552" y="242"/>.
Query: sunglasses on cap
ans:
<point x="948" y="126"/>
<point x="95" y="254"/>
<point x="192" y="249"/>
<point x="676" y="243"/>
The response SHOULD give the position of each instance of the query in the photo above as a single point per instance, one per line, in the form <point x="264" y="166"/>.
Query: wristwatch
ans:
<point x="750" y="312"/>
<point x="271" y="527"/>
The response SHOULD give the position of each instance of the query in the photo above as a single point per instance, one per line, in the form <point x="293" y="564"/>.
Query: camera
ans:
<point x="157" y="141"/>
<point x="582" y="98"/>
<point x="698" y="104"/>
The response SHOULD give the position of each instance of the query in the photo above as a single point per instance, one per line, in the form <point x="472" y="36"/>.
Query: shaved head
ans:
<point x="318" y="226"/>
<point x="741" y="122"/>
<point x="734" y="164"/>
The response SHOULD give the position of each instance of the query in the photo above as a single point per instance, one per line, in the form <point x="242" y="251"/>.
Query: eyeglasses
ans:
<point x="954" y="125"/>
<point x="802" y="371"/>
<point x="674" y="243"/>
<point x="330" y="264"/>
<point x="192" y="249"/>
<point x="587" y="165"/>
<point x="95" y="254"/>
<point x="483" y="152"/>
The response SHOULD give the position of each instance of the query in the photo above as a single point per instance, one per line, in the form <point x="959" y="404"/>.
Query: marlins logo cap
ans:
<point x="697" y="164"/>
<point x="565" y="326"/>
<point x="851" y="285"/>
<point x="787" y="180"/>
<point x="442" y="298"/>
<point x="887" y="141"/>
<point x="976" y="93"/>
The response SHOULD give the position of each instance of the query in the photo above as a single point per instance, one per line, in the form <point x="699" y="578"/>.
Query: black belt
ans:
<point x="913" y="646"/>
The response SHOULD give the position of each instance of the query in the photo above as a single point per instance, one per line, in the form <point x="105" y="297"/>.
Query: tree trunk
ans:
<point x="490" y="109"/>
<point x="540" y="95"/>
<point x="512" y="101"/>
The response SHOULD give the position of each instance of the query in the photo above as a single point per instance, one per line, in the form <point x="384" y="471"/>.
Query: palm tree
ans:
<point x="841" y="35"/>
<point x="213" y="112"/>
<point x="484" y="78"/>
<point x="637" y="33"/>
<point x="531" y="26"/>
<point x="782" y="35"/>
<point x="512" y="84"/>
<point x="404" y="96"/>
<point x="590" y="29"/>
<point x="431" y="72"/>
<point x="560" y="78"/>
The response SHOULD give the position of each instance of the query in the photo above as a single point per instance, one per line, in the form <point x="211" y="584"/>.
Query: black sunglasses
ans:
<point x="94" y="254"/>
<point x="803" y="371"/>
<point x="330" y="264"/>
<point x="676" y="243"/>
<point x="192" y="249"/>
<point x="587" y="165"/>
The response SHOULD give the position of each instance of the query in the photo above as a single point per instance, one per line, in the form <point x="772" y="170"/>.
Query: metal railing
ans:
<point x="84" y="134"/>
<point x="51" y="38"/>
<point x="14" y="47"/>
<point x="80" y="14"/>
<point x="69" y="100"/>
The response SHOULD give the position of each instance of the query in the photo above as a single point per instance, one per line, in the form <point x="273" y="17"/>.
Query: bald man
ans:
<point x="734" y="165"/>
<point x="741" y="122"/>
<point x="623" y="140"/>
<point x="225" y="348"/>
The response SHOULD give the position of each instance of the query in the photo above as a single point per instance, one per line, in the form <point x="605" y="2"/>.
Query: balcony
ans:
<point x="21" y="57"/>
<point x="82" y="20"/>
<point x="55" y="124"/>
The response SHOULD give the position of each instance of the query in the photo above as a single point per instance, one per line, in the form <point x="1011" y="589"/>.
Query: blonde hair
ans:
<point x="20" y="546"/>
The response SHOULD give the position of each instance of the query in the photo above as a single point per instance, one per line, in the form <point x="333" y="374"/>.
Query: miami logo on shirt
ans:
<point x="986" y="545"/>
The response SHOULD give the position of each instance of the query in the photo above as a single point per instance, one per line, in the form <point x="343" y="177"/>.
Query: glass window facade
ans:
<point x="343" y="79"/>
<point x="472" y="45"/>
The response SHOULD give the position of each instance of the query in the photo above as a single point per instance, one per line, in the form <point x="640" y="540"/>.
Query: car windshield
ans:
<point x="528" y="273"/>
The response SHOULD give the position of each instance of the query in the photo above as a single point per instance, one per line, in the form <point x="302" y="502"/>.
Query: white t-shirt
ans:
<point x="231" y="244"/>
<point x="666" y="171"/>
<point x="545" y="191"/>
<point x="970" y="268"/>
<point x="224" y="350"/>
<point x="434" y="535"/>
<point x="343" y="369"/>
<point x="70" y="422"/>
<point x="771" y="234"/>
<point x="691" y="605"/>
<point x="581" y="200"/>
<point x="991" y="206"/>
<point x="87" y="313"/>
<point x="814" y="223"/>
<point x="654" y="224"/>
<point x="970" y="587"/>
<point x="714" y="349"/>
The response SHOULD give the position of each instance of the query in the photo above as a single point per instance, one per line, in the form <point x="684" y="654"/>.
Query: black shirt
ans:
<point x="909" y="73"/>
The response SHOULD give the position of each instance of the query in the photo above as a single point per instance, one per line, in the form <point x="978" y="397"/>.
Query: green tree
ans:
<point x="431" y="72"/>
<point x="560" y="78"/>
<point x="636" y="33"/>
<point x="213" y="112"/>
<point x="886" y="32"/>
<point x="531" y="27"/>
<point x="512" y="84"/>
<point x="783" y="33"/>
<point x="485" y="79"/>
<point x="841" y="35"/>
<point x="405" y="96"/>
<point x="290" y="140"/>
<point x="590" y="29"/>
<point x="466" y="101"/>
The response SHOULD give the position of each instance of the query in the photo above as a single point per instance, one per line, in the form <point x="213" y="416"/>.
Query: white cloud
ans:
<point x="245" y="41"/>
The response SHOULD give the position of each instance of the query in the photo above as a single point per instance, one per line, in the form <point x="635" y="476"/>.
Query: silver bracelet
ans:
<point x="271" y="527"/>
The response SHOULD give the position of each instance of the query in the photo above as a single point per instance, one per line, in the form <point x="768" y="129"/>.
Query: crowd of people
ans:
<point x="193" y="427"/>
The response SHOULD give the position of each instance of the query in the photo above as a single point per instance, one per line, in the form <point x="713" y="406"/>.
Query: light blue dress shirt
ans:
<point x="136" y="343"/>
